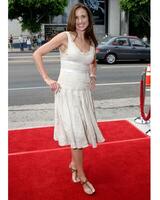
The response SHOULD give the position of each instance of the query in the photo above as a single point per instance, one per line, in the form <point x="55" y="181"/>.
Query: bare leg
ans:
<point x="77" y="161"/>
<point x="72" y="163"/>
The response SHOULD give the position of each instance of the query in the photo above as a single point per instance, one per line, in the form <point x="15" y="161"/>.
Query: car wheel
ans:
<point x="110" y="58"/>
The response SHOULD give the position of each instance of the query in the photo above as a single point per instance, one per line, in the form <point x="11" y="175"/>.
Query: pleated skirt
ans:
<point x="75" y="118"/>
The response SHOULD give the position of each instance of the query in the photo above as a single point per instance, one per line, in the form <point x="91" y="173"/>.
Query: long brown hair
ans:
<point x="71" y="25"/>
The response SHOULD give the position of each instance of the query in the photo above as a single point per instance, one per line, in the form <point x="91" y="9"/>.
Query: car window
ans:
<point x="136" y="42"/>
<point x="120" y="42"/>
<point x="105" y="39"/>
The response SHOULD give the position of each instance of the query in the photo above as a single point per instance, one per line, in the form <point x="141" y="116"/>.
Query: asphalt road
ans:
<point x="26" y="86"/>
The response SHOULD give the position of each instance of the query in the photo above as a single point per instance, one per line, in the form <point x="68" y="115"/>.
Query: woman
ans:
<point x="75" y="121"/>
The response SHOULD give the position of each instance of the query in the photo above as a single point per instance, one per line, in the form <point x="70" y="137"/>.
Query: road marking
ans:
<point x="29" y="88"/>
<point x="125" y="83"/>
<point x="98" y="84"/>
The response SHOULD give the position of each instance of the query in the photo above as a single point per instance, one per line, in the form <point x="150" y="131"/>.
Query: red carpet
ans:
<point x="119" y="169"/>
<point x="41" y="138"/>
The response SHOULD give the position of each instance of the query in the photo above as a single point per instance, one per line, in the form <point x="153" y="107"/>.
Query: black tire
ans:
<point x="110" y="58"/>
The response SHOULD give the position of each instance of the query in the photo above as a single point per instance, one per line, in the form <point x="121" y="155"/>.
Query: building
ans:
<point x="109" y="19"/>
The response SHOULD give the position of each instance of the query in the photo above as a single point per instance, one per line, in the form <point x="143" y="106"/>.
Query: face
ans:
<point x="81" y="19"/>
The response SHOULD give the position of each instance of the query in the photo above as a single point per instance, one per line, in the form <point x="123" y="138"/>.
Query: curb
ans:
<point x="26" y="51"/>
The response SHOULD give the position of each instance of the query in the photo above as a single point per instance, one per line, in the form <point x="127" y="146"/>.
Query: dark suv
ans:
<point x="113" y="48"/>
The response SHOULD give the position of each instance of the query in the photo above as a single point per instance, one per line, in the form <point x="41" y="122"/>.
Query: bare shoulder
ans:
<point x="62" y="35"/>
<point x="64" y="41"/>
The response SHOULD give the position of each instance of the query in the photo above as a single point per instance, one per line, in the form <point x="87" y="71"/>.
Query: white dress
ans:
<point x="75" y="120"/>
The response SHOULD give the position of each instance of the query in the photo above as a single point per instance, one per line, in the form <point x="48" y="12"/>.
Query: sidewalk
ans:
<point x="17" y="50"/>
<point x="40" y="115"/>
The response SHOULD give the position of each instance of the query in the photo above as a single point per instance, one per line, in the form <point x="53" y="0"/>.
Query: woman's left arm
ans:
<point x="93" y="68"/>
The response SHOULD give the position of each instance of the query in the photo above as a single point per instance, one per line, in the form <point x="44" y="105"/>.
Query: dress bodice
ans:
<point x="73" y="58"/>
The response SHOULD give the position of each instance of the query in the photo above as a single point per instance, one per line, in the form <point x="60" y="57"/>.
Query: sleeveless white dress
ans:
<point x="75" y="120"/>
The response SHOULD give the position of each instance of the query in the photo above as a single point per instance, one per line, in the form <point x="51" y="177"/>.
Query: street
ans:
<point x="31" y="102"/>
<point x="26" y="86"/>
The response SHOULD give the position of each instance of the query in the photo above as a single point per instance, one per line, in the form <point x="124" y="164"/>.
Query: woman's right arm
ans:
<point x="56" y="42"/>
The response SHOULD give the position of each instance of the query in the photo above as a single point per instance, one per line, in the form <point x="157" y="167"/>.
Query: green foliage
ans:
<point x="32" y="13"/>
<point x="134" y="5"/>
<point x="140" y="8"/>
<point x="139" y="12"/>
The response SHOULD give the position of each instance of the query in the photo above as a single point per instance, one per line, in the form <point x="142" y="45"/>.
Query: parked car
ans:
<point x="113" y="48"/>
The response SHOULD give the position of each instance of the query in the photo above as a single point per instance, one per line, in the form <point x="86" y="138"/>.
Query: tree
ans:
<point x="139" y="12"/>
<point x="32" y="13"/>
